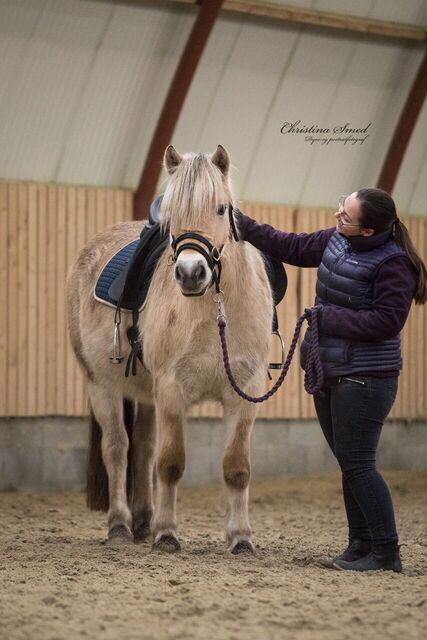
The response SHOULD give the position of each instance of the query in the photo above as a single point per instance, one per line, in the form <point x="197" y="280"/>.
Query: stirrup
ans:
<point x="278" y="365"/>
<point x="117" y="357"/>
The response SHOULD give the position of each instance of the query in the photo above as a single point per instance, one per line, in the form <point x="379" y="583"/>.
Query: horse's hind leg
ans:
<point x="107" y="407"/>
<point x="236" y="467"/>
<point x="143" y="444"/>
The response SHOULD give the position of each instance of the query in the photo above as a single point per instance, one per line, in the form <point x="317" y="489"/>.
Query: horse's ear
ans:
<point x="171" y="159"/>
<point x="221" y="159"/>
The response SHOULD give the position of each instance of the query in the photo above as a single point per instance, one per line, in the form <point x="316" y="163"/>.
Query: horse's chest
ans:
<point x="203" y="377"/>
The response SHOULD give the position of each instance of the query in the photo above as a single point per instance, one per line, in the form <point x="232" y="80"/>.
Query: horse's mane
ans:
<point x="196" y="187"/>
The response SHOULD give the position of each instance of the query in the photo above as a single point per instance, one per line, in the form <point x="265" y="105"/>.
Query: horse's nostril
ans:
<point x="178" y="272"/>
<point x="199" y="272"/>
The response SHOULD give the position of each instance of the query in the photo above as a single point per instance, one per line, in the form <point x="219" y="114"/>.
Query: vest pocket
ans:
<point x="333" y="350"/>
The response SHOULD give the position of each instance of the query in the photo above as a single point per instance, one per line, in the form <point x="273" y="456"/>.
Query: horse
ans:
<point x="137" y="423"/>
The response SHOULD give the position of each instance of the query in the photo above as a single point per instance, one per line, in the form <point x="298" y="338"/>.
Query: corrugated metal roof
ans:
<point x="82" y="84"/>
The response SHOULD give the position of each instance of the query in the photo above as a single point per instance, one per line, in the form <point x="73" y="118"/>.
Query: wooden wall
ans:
<point x="41" y="229"/>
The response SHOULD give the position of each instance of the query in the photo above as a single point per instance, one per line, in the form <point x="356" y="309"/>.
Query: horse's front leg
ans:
<point x="237" y="470"/>
<point x="170" y="466"/>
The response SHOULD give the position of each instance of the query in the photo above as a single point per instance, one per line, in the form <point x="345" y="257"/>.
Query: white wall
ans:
<point x="82" y="83"/>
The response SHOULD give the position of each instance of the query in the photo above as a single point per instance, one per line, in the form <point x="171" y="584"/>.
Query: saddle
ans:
<point x="125" y="280"/>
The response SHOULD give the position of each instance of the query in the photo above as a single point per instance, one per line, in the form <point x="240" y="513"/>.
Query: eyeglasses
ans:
<point x="341" y="213"/>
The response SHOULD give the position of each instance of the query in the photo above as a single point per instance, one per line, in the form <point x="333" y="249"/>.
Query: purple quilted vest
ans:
<point x="345" y="279"/>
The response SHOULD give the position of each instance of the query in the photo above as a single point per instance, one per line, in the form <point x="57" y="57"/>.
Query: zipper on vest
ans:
<point x="351" y="380"/>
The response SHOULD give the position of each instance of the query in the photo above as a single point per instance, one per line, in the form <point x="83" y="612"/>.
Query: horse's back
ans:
<point x="83" y="272"/>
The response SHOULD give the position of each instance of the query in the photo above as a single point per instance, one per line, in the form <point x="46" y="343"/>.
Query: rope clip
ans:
<point x="218" y="297"/>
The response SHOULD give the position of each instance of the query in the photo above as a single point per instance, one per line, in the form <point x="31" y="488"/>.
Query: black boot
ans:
<point x="382" y="557"/>
<point x="356" y="549"/>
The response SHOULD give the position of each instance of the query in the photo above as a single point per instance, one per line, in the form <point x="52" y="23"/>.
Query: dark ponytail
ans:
<point x="378" y="212"/>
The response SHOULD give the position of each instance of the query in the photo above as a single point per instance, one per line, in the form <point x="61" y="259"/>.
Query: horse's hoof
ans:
<point x="141" y="531"/>
<point x="167" y="543"/>
<point x="119" y="535"/>
<point x="242" y="546"/>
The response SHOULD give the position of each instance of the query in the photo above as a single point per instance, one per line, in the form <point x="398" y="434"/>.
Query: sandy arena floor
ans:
<point x="58" y="581"/>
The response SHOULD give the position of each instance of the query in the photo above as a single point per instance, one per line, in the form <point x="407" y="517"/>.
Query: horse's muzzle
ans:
<point x="193" y="276"/>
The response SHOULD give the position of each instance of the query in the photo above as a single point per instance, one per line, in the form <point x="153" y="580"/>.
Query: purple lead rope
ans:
<point x="313" y="379"/>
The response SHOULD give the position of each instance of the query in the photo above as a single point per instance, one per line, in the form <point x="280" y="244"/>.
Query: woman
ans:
<point x="369" y="272"/>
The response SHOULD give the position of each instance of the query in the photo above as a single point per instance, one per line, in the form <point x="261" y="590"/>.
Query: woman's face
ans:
<point x="348" y="216"/>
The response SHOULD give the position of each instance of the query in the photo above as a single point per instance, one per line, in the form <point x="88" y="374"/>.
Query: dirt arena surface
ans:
<point x="58" y="580"/>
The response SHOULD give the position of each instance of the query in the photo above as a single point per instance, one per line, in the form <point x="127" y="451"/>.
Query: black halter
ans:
<point x="212" y="255"/>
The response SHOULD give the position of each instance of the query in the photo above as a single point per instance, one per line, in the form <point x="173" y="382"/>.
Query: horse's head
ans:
<point x="196" y="200"/>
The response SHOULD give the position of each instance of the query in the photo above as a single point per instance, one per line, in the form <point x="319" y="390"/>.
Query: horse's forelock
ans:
<point x="194" y="190"/>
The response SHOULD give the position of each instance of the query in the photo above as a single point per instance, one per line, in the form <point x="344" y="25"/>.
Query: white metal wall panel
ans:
<point x="404" y="11"/>
<point x="240" y="100"/>
<point x="42" y="98"/>
<point x="123" y="95"/>
<point x="82" y="84"/>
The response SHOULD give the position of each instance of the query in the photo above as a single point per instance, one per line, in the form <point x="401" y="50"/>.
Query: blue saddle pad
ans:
<point x="112" y="278"/>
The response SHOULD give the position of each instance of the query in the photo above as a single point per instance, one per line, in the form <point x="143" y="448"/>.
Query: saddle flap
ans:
<point x="277" y="277"/>
<point x="126" y="278"/>
<point x="116" y="288"/>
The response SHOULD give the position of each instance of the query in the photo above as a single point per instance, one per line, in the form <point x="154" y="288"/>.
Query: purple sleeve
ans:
<point x="299" y="249"/>
<point x="394" y="288"/>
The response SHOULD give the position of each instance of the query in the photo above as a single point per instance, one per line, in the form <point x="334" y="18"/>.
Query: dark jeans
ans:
<point x="351" y="416"/>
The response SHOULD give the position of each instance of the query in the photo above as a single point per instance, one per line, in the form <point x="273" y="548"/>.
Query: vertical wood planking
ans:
<point x="51" y="300"/>
<point x="101" y="210"/>
<point x="60" y="309"/>
<point x="81" y="235"/>
<point x="128" y="202"/>
<point x="21" y="312"/>
<point x="91" y="214"/>
<point x="4" y="270"/>
<point x="41" y="298"/>
<point x="119" y="206"/>
<point x="12" y="307"/>
<point x="41" y="230"/>
<point x="110" y="217"/>
<point x="32" y="305"/>
<point x="71" y="226"/>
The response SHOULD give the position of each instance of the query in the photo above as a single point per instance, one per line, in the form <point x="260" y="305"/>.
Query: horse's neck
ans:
<point x="240" y="267"/>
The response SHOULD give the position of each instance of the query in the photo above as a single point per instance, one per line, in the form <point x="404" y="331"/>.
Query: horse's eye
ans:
<point x="221" y="209"/>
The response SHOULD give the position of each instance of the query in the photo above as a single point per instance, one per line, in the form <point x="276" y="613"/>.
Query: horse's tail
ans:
<point x="96" y="477"/>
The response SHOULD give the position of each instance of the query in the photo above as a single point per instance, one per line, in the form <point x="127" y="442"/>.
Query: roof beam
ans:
<point x="313" y="18"/>
<point x="172" y="106"/>
<point x="404" y="128"/>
